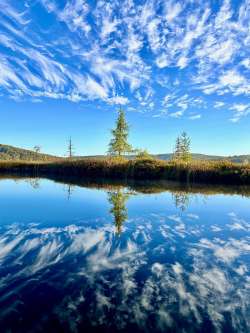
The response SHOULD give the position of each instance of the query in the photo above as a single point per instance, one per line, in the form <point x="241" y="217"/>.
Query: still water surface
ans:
<point x="82" y="259"/>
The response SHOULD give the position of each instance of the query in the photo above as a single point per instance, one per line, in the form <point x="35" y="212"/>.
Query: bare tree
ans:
<point x="37" y="149"/>
<point x="70" y="148"/>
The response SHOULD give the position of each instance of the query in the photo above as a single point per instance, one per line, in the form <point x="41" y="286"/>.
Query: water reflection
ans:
<point x="34" y="182"/>
<point x="165" y="272"/>
<point x="181" y="200"/>
<point x="118" y="199"/>
<point x="69" y="191"/>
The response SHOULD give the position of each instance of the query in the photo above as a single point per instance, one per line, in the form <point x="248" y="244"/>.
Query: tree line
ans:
<point x="119" y="145"/>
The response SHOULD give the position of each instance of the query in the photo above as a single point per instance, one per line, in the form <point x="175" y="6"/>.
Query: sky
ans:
<point x="66" y="66"/>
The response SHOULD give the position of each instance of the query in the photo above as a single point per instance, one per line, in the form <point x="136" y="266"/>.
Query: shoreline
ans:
<point x="138" y="186"/>
<point x="195" y="172"/>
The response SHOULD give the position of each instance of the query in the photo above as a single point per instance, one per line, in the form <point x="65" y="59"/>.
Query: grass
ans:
<point x="210" y="172"/>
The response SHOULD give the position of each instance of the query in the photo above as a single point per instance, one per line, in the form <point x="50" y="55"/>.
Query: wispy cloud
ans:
<point x="240" y="110"/>
<point x="195" y="117"/>
<point x="83" y="51"/>
<point x="219" y="104"/>
<point x="120" y="100"/>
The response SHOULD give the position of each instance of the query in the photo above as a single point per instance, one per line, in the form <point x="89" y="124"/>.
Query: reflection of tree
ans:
<point x="69" y="189"/>
<point x="34" y="182"/>
<point x="181" y="200"/>
<point x="119" y="210"/>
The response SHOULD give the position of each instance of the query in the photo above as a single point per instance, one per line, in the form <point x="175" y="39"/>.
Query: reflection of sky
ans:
<point x="19" y="201"/>
<point x="168" y="270"/>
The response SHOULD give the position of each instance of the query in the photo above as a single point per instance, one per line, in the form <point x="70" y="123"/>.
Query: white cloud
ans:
<point x="94" y="89"/>
<point x="182" y="62"/>
<point x="231" y="78"/>
<point x="219" y="104"/>
<point x="183" y="105"/>
<point x="51" y="70"/>
<point x="240" y="110"/>
<point x="8" y="77"/>
<point x="13" y="14"/>
<point x="118" y="100"/>
<point x="166" y="100"/>
<point x="176" y="114"/>
<point x="74" y="15"/>
<point x="108" y="27"/>
<point x="239" y="107"/>
<point x="172" y="10"/>
<point x="195" y="117"/>
<point x="224" y="14"/>
<point x="162" y="61"/>
<point x="246" y="63"/>
<point x="223" y="52"/>
<point x="105" y="49"/>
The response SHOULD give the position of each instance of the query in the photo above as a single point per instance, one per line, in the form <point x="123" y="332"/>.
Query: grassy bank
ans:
<point x="140" y="169"/>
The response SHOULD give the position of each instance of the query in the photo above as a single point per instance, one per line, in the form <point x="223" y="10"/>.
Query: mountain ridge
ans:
<point x="195" y="156"/>
<point x="8" y="152"/>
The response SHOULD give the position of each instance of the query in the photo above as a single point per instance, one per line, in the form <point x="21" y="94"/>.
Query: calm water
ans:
<point x="79" y="259"/>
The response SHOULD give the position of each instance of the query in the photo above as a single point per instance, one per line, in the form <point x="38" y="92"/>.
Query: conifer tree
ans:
<point x="177" y="149"/>
<point x="185" y="147"/>
<point x="119" y="143"/>
<point x="182" y="148"/>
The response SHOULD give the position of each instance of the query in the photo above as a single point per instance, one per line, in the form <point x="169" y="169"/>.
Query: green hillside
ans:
<point x="14" y="153"/>
<point x="199" y="157"/>
<point x="235" y="159"/>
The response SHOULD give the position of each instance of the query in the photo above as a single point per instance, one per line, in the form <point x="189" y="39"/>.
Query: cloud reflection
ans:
<point x="170" y="272"/>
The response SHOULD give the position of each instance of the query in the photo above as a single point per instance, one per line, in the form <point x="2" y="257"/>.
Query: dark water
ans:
<point x="78" y="259"/>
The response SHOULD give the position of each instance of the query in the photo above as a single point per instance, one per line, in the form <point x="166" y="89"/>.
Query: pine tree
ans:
<point x="119" y="143"/>
<point x="178" y="149"/>
<point x="182" y="148"/>
<point x="185" y="147"/>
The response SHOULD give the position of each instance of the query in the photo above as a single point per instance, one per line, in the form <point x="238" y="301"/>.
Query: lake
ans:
<point x="107" y="258"/>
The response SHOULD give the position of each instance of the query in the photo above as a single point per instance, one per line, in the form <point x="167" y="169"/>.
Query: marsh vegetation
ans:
<point x="118" y="164"/>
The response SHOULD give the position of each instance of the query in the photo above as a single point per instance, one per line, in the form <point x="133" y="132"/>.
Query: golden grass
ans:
<point x="119" y="168"/>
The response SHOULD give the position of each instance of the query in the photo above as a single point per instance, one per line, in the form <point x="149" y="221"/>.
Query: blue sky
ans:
<point x="66" y="66"/>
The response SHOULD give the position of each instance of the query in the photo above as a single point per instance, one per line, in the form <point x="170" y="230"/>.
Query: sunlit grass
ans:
<point x="148" y="168"/>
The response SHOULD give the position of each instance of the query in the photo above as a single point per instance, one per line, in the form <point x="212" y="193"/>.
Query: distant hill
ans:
<point x="199" y="157"/>
<point x="236" y="158"/>
<point x="14" y="153"/>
